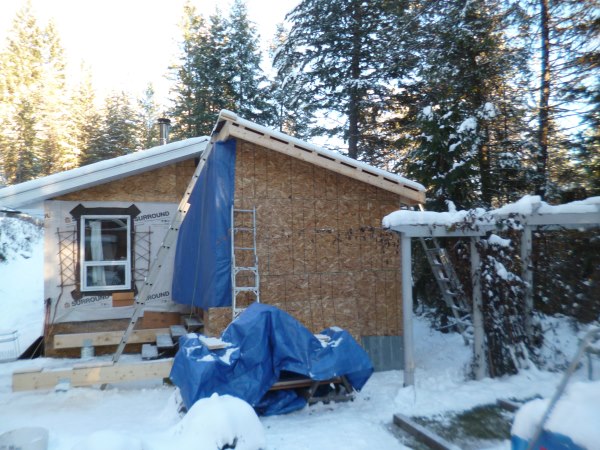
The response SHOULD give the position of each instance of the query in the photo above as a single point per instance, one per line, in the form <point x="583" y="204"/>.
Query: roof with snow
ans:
<point x="34" y="191"/>
<point x="529" y="210"/>
<point x="228" y="125"/>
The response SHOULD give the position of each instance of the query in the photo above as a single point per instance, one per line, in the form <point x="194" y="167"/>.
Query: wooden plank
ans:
<point x="92" y="375"/>
<point x="106" y="338"/>
<point x="423" y="434"/>
<point x="509" y="405"/>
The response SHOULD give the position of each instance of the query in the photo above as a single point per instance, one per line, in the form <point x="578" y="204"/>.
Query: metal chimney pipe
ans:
<point x="164" y="126"/>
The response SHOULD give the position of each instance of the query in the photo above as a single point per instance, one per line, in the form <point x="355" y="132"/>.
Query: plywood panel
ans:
<point x="166" y="184"/>
<point x="302" y="179"/>
<point x="326" y="251"/>
<point x="216" y="320"/>
<point x="321" y="254"/>
<point x="280" y="252"/>
<point x="279" y="176"/>
<point x="296" y="288"/>
<point x="298" y="251"/>
<point x="326" y="214"/>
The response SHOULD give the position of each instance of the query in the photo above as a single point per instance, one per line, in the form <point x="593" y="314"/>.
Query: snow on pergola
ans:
<point x="530" y="212"/>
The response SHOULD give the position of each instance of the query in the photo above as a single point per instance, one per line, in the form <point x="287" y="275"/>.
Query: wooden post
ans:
<point x="527" y="276"/>
<point x="407" y="310"/>
<point x="478" y="331"/>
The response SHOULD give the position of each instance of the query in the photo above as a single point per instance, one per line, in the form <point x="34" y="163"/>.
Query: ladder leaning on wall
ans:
<point x="169" y="241"/>
<point x="244" y="260"/>
<point x="449" y="284"/>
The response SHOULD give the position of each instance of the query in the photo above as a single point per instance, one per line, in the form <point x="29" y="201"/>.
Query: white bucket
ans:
<point x="26" y="438"/>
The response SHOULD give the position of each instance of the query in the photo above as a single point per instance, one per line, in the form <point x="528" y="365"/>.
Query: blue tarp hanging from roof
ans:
<point x="263" y="342"/>
<point x="202" y="271"/>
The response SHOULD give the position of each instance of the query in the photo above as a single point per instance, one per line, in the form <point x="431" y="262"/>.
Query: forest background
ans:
<point x="481" y="101"/>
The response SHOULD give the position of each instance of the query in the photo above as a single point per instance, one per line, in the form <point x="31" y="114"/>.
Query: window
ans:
<point x="105" y="252"/>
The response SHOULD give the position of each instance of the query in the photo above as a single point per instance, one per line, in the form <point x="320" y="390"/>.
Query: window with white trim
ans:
<point x="105" y="252"/>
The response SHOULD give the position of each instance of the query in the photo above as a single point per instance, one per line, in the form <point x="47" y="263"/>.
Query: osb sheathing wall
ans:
<point x="322" y="254"/>
<point x="166" y="184"/>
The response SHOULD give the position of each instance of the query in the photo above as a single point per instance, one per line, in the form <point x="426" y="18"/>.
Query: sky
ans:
<point x="130" y="43"/>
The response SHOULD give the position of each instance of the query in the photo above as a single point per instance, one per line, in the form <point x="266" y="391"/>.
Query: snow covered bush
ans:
<point x="17" y="236"/>
<point x="503" y="292"/>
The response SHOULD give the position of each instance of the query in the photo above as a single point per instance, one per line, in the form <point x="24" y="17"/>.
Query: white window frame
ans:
<point x="84" y="265"/>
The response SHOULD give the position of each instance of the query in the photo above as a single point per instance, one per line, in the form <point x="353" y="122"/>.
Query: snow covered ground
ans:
<point x="144" y="416"/>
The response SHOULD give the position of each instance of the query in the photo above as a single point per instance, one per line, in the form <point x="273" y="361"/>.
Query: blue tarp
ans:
<point x="202" y="271"/>
<point x="547" y="440"/>
<point x="263" y="342"/>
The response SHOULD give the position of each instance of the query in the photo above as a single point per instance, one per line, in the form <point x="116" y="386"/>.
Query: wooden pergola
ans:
<point x="531" y="214"/>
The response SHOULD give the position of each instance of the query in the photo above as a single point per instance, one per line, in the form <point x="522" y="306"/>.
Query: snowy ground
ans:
<point x="136" y="416"/>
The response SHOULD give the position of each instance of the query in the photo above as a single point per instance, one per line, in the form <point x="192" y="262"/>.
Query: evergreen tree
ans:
<point x="58" y="151"/>
<point x="117" y="135"/>
<point x="219" y="69"/>
<point x="290" y="114"/>
<point x="567" y="40"/>
<point x="246" y="82"/>
<point x="465" y="142"/>
<point x="86" y="119"/>
<point x="147" y="119"/>
<point x="192" y="109"/>
<point x="21" y="97"/>
<point x="33" y="108"/>
<point x="336" y="62"/>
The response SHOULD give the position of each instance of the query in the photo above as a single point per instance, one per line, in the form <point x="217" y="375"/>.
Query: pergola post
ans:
<point x="527" y="276"/>
<point x="407" y="310"/>
<point x="478" y="330"/>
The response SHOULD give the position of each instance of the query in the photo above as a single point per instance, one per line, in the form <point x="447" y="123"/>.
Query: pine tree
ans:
<point x="464" y="142"/>
<point x="335" y="63"/>
<point x="86" y="119"/>
<point x="194" y="92"/>
<point x="34" y="110"/>
<point x="117" y="135"/>
<point x="147" y="119"/>
<point x="566" y="38"/>
<point x="58" y="151"/>
<point x="247" y="84"/>
<point x="21" y="97"/>
<point x="219" y="69"/>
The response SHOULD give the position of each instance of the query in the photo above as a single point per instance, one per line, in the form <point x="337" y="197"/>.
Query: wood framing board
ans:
<point x="106" y="338"/>
<point x="92" y="374"/>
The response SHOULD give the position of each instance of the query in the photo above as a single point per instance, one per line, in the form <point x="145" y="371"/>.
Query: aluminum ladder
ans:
<point x="245" y="279"/>
<point x="170" y="240"/>
<point x="449" y="284"/>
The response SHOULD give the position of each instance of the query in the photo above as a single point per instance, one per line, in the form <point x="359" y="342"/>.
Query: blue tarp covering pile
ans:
<point x="264" y="342"/>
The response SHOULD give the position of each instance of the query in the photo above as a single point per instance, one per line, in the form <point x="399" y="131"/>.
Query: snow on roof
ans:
<point x="529" y="210"/>
<point x="61" y="183"/>
<point x="294" y="147"/>
<point x="35" y="191"/>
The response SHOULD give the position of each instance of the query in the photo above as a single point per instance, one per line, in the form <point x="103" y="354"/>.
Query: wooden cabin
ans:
<point x="322" y="254"/>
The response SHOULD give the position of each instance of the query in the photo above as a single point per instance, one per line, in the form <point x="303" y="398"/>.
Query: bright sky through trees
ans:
<point x="130" y="43"/>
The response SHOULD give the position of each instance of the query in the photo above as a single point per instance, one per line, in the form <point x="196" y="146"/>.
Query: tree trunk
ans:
<point x="544" y="113"/>
<point x="354" y="100"/>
